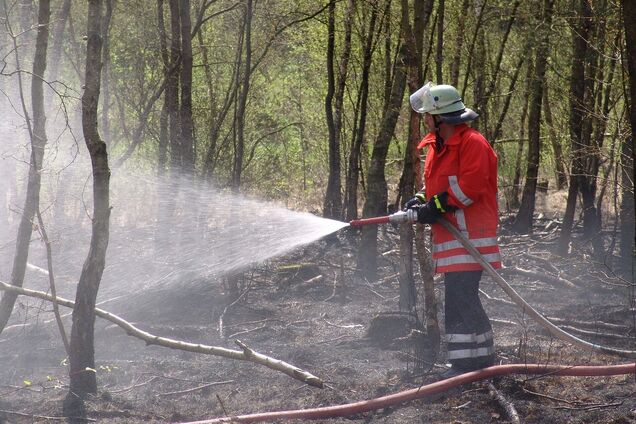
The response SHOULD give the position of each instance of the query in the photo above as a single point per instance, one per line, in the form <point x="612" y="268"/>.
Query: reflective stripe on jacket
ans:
<point x="466" y="168"/>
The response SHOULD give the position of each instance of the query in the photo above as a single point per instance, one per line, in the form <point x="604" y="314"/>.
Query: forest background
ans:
<point x="305" y="103"/>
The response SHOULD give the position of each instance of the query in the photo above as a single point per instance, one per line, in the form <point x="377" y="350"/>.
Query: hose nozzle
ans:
<point x="402" y="217"/>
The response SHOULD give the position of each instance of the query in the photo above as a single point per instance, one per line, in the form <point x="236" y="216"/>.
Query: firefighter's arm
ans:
<point x="471" y="181"/>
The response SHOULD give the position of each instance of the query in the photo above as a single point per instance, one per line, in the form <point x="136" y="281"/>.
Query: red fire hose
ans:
<point x="423" y="391"/>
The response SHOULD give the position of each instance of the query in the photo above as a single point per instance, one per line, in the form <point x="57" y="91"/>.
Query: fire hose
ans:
<point x="349" y="409"/>
<point x="423" y="391"/>
<point x="410" y="216"/>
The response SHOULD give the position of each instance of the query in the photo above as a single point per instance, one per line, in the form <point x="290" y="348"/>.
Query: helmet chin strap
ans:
<point x="439" y="141"/>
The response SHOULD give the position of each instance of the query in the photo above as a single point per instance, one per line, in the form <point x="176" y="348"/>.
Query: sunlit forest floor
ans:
<point x="312" y="310"/>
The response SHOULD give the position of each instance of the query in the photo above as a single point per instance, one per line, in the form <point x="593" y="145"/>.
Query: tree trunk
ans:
<point x="524" y="219"/>
<point x="82" y="373"/>
<point x="459" y="42"/>
<point x="353" y="169"/>
<point x="185" y="113"/>
<point x="557" y="150"/>
<point x="106" y="73"/>
<point x="413" y="42"/>
<point x="239" y="151"/>
<point x="577" y="110"/>
<point x="332" y="207"/>
<point x="376" y="195"/>
<point x="58" y="40"/>
<point x="162" y="159"/>
<point x="172" y="87"/>
<point x="37" y="133"/>
<point x="440" y="43"/>
<point x="628" y="229"/>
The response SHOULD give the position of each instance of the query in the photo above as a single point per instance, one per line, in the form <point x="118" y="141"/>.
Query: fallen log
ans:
<point x="245" y="354"/>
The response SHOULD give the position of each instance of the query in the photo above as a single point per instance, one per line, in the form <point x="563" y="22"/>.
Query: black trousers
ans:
<point x="468" y="330"/>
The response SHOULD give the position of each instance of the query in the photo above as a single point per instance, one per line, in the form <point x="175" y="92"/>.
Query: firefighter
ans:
<point x="460" y="184"/>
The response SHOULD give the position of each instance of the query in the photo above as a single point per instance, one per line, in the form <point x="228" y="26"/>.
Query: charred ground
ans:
<point x="312" y="310"/>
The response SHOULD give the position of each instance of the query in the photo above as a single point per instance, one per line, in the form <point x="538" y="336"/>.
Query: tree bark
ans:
<point x="239" y="151"/>
<point x="185" y="112"/>
<point x="557" y="150"/>
<point x="580" y="36"/>
<point x="440" y="43"/>
<point x="628" y="228"/>
<point x="524" y="219"/>
<point x="82" y="373"/>
<point x="37" y="133"/>
<point x="376" y="194"/>
<point x="172" y="87"/>
<point x="353" y="169"/>
<point x="332" y="207"/>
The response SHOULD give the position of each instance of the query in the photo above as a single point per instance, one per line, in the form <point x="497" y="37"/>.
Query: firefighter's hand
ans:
<point x="417" y="200"/>
<point x="426" y="214"/>
<point x="434" y="208"/>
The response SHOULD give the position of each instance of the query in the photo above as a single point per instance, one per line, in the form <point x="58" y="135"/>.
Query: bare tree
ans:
<point x="376" y="193"/>
<point x="524" y="219"/>
<point x="628" y="229"/>
<point x="334" y="100"/>
<point x="82" y="373"/>
<point x="37" y="133"/>
<point x="580" y="36"/>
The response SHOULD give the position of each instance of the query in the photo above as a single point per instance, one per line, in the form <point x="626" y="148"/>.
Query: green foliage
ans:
<point x="286" y="136"/>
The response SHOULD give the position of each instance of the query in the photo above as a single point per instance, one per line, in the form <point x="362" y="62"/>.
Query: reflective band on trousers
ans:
<point x="457" y="191"/>
<point x="466" y="259"/>
<point x="454" y="244"/>
<point x="470" y="353"/>
<point x="469" y="338"/>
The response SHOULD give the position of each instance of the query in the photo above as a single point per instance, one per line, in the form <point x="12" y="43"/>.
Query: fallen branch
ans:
<point x="44" y="417"/>
<point x="539" y="276"/>
<point x="194" y="389"/>
<point x="246" y="354"/>
<point x="507" y="406"/>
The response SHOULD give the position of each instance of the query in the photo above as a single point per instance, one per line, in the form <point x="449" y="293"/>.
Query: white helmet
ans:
<point x="443" y="100"/>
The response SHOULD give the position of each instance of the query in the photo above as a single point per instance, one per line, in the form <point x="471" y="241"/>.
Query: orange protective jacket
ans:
<point x="465" y="168"/>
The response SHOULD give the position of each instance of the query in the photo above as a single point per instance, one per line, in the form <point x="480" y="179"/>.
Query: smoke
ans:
<point x="164" y="231"/>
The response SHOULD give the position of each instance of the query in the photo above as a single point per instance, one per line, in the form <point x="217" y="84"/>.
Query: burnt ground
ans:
<point x="310" y="309"/>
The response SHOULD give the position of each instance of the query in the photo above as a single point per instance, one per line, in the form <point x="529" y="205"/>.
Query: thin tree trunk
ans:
<point x="559" y="169"/>
<point x="58" y="39"/>
<point x="628" y="228"/>
<point x="106" y="73"/>
<point x="480" y="20"/>
<point x="162" y="160"/>
<point x="413" y="42"/>
<point x="577" y="111"/>
<point x="37" y="132"/>
<point x="440" y="43"/>
<point x="332" y="207"/>
<point x="172" y="87"/>
<point x="516" y="183"/>
<point x="376" y="194"/>
<point x="458" y="45"/>
<point x="524" y="219"/>
<point x="353" y="169"/>
<point x="239" y="151"/>
<point x="185" y="112"/>
<point x="82" y="373"/>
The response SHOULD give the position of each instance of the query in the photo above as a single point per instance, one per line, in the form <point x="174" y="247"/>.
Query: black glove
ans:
<point x="417" y="200"/>
<point x="433" y="209"/>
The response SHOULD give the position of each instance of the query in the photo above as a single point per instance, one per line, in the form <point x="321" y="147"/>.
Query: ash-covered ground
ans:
<point x="312" y="310"/>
